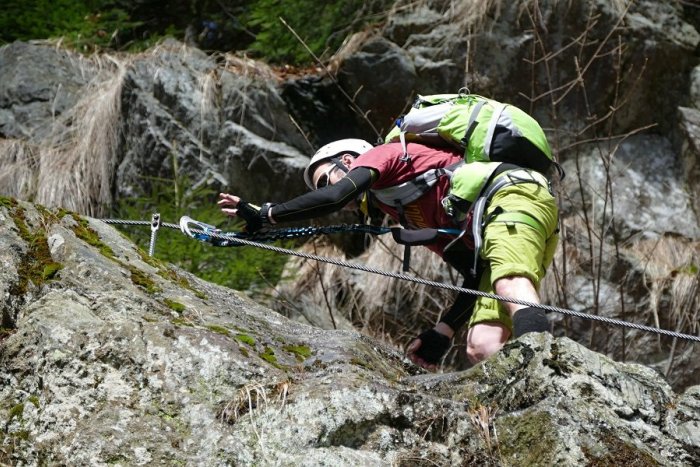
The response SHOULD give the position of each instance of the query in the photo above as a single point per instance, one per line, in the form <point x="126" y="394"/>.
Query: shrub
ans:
<point x="321" y="25"/>
<point x="242" y="268"/>
<point x="84" y="25"/>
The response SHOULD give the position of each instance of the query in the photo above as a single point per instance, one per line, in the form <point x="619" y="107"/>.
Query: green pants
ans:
<point x="513" y="248"/>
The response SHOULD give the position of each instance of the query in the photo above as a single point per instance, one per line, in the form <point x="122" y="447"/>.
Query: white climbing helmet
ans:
<point x="329" y="151"/>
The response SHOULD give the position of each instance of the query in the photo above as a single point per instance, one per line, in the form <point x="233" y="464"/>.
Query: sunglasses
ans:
<point x="325" y="178"/>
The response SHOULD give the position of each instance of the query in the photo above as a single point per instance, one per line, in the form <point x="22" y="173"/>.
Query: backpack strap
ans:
<point x="404" y="222"/>
<point x="497" y="111"/>
<point x="409" y="191"/>
<point x="471" y="126"/>
<point x="400" y="195"/>
<point x="406" y="156"/>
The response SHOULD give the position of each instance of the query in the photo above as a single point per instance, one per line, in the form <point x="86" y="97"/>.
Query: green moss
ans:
<point x="7" y="202"/>
<point x="269" y="356"/>
<point x="689" y="269"/>
<point x="527" y="439"/>
<point x="150" y="260"/>
<point x="34" y="400"/>
<point x="49" y="217"/>
<point x="618" y="452"/>
<point x="83" y="231"/>
<point x="302" y="352"/>
<point x="218" y="329"/>
<point x="246" y="339"/>
<point x="182" y="322"/>
<point x="50" y="270"/>
<point x="142" y="280"/>
<point x="62" y="212"/>
<point x="37" y="266"/>
<point x="244" y="351"/>
<point x="175" y="306"/>
<point x="15" y="412"/>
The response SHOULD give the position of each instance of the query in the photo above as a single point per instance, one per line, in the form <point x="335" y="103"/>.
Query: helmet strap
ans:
<point x="339" y="163"/>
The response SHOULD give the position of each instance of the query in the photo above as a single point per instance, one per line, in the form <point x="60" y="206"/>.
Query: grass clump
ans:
<point x="269" y="356"/>
<point x="245" y="338"/>
<point x="175" y="306"/>
<point x="7" y="202"/>
<point x="302" y="352"/>
<point x="142" y="280"/>
<point x="219" y="329"/>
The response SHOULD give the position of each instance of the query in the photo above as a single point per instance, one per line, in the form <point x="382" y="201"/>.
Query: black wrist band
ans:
<point x="265" y="212"/>
<point x="530" y="319"/>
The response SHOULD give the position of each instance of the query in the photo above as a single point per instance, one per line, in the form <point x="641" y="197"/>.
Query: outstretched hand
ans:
<point x="235" y="207"/>
<point x="228" y="204"/>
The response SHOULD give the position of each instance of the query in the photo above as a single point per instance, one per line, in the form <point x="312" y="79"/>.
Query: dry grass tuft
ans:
<point x="247" y="67"/>
<point x="386" y="308"/>
<point x="482" y="418"/>
<point x="18" y="168"/>
<point x="77" y="163"/>
<point x="253" y="399"/>
<point x="671" y="272"/>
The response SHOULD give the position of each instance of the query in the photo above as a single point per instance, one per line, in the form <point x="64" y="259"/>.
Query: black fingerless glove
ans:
<point x="254" y="216"/>
<point x="433" y="346"/>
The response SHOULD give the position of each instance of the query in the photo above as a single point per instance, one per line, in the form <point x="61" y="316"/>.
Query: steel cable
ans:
<point x="426" y="282"/>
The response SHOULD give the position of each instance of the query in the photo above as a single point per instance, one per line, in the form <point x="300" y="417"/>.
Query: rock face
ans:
<point x="178" y="114"/>
<point x="110" y="357"/>
<point x="636" y="188"/>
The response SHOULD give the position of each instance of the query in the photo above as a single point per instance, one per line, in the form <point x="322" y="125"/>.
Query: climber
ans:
<point x="417" y="188"/>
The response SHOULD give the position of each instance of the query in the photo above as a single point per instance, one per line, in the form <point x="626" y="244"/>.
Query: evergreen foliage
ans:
<point x="85" y="25"/>
<point x="321" y="25"/>
<point x="216" y="25"/>
<point x="242" y="268"/>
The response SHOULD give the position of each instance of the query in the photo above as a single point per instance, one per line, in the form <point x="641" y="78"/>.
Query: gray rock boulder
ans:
<point x="689" y="150"/>
<point x="531" y="55"/>
<point x="227" y="128"/>
<point x="38" y="83"/>
<point x="108" y="356"/>
<point x="104" y="127"/>
<point x="634" y="185"/>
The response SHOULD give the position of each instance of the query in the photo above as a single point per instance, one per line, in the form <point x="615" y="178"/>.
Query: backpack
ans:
<point x="486" y="130"/>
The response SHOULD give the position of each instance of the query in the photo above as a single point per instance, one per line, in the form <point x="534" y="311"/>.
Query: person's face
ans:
<point x="326" y="174"/>
<point x="329" y="174"/>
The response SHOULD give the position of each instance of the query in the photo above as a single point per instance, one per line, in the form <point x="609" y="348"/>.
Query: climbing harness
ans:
<point x="210" y="234"/>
